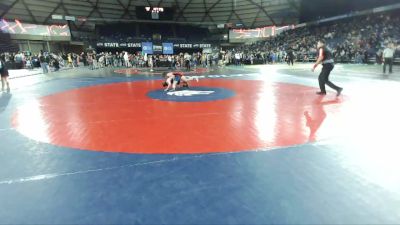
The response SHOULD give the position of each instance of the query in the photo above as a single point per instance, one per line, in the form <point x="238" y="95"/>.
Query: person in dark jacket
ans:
<point x="326" y="59"/>
<point x="4" y="74"/>
<point x="55" y="63"/>
<point x="43" y="63"/>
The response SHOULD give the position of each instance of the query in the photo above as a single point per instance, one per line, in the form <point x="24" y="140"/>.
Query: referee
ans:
<point x="325" y="58"/>
<point x="388" y="55"/>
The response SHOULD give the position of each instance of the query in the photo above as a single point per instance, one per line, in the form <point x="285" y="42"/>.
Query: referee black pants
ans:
<point x="324" y="78"/>
<point x="388" y="61"/>
<point x="290" y="60"/>
<point x="187" y="64"/>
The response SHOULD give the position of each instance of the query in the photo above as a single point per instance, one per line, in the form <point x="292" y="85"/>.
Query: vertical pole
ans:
<point x="29" y="46"/>
<point x="48" y="46"/>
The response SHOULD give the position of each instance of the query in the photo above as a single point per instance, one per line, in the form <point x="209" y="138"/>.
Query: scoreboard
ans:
<point x="154" y="13"/>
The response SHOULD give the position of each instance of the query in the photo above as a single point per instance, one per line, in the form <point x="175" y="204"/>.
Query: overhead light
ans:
<point x="57" y="17"/>
<point x="70" y="18"/>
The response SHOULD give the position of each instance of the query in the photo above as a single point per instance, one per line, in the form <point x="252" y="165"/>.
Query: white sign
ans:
<point x="115" y="45"/>
<point x="185" y="45"/>
<point x="134" y="45"/>
<point x="57" y="17"/>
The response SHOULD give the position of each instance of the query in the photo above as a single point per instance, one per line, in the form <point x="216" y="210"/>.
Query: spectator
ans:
<point x="43" y="63"/>
<point x="388" y="55"/>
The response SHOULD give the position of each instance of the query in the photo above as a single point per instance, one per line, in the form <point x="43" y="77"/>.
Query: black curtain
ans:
<point x="6" y="44"/>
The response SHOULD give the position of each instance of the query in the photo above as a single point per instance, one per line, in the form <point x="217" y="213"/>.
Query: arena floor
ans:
<point x="244" y="145"/>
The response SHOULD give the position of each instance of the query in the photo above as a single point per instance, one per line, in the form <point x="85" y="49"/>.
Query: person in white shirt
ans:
<point x="169" y="59"/>
<point x="388" y="55"/>
<point x="95" y="64"/>
<point x="237" y="59"/>
<point x="150" y="62"/>
<point x="145" y="59"/>
<point x="126" y="59"/>
<point x="187" y="58"/>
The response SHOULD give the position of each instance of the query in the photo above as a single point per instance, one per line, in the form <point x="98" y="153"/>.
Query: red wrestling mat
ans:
<point x="120" y="117"/>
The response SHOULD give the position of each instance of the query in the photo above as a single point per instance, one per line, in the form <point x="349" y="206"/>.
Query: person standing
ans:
<point x="65" y="60"/>
<point x="95" y="60"/>
<point x="169" y="60"/>
<point x="150" y="62"/>
<point x="325" y="58"/>
<point x="75" y="59"/>
<point x="55" y="63"/>
<point x="237" y="59"/>
<point x="126" y="59"/>
<point x="204" y="59"/>
<point x="388" y="55"/>
<point x="290" y="57"/>
<point x="43" y="63"/>
<point x="4" y="74"/>
<point x="47" y="59"/>
<point x="90" y="61"/>
<point x="187" y="58"/>
<point x="70" y="64"/>
<point x="84" y="59"/>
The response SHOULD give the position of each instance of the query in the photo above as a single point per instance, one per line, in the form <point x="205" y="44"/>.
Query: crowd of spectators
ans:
<point x="27" y="60"/>
<point x="93" y="60"/>
<point x="356" y="40"/>
<point x="138" y="60"/>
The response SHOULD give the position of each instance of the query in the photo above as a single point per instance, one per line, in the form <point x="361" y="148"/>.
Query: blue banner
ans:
<point x="147" y="47"/>
<point x="168" y="48"/>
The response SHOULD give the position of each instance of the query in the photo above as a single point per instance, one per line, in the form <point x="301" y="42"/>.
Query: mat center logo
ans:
<point x="189" y="93"/>
<point x="193" y="94"/>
